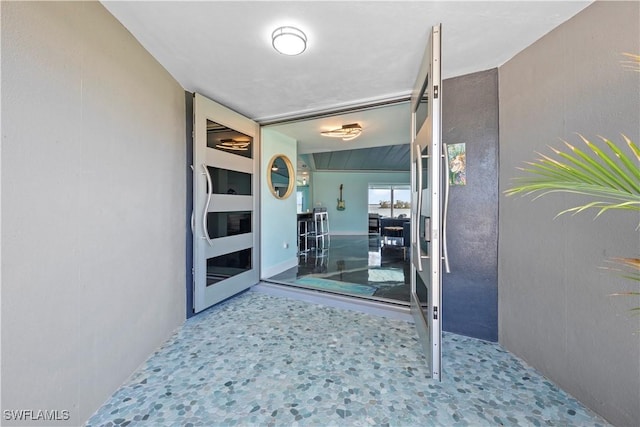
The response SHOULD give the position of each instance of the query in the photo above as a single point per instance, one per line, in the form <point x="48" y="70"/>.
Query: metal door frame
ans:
<point x="426" y="146"/>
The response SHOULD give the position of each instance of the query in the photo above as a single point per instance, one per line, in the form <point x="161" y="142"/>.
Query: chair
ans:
<point x="406" y="238"/>
<point x="303" y="233"/>
<point x="392" y="230"/>
<point x="319" y="227"/>
<point x="374" y="223"/>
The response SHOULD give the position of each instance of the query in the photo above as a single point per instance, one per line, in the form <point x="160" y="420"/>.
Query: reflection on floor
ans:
<point x="365" y="266"/>
<point x="261" y="360"/>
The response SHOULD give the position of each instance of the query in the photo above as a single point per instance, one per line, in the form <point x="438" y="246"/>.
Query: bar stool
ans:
<point x="319" y="227"/>
<point x="303" y="234"/>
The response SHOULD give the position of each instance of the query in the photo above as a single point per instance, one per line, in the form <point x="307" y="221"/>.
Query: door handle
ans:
<point x="419" y="207"/>
<point x="445" y="252"/>
<point x="206" y="206"/>
<point x="193" y="217"/>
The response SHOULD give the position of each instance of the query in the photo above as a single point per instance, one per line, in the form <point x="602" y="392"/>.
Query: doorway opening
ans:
<point x="356" y="261"/>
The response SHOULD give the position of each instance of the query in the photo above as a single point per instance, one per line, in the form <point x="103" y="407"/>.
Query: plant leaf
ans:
<point x="612" y="180"/>
<point x="633" y="63"/>
<point x="628" y="163"/>
<point x="606" y="178"/>
<point x="612" y="165"/>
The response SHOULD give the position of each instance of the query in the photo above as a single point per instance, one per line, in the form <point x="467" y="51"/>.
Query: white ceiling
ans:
<point x="358" y="52"/>
<point x="389" y="125"/>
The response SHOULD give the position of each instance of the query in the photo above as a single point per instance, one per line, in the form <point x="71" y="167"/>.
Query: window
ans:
<point x="299" y="201"/>
<point x="390" y="200"/>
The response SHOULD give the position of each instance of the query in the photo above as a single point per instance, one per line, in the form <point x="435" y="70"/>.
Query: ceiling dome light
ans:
<point x="289" y="41"/>
<point x="346" y="132"/>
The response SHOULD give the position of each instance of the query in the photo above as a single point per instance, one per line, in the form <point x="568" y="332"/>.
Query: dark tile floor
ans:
<point x="379" y="267"/>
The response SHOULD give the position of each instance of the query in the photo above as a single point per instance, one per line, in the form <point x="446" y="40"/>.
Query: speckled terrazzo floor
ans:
<point x="264" y="360"/>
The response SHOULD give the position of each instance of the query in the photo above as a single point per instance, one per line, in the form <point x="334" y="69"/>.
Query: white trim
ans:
<point x="279" y="268"/>
<point x="375" y="308"/>
<point x="230" y="203"/>
<point x="223" y="160"/>
<point x="229" y="244"/>
<point x="331" y="108"/>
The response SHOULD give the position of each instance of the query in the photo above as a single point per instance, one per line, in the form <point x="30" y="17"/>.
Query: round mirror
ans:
<point x="280" y="176"/>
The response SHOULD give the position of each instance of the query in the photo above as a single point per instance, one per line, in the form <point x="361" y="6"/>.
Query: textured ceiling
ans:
<point x="357" y="51"/>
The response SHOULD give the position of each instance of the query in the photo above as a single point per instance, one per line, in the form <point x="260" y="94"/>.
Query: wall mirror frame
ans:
<point x="280" y="176"/>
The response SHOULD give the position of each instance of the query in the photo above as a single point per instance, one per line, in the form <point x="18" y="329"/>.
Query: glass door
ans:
<point x="427" y="195"/>
<point x="225" y="203"/>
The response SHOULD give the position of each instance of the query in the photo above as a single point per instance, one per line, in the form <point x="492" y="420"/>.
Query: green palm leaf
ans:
<point x="611" y="177"/>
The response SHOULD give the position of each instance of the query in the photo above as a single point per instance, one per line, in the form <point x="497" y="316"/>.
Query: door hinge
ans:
<point x="435" y="313"/>
<point x="435" y="92"/>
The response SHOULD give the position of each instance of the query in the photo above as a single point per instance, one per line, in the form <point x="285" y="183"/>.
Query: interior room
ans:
<point x="181" y="245"/>
<point x="357" y="259"/>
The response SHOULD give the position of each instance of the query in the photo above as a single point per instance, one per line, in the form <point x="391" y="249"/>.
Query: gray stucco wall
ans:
<point x="554" y="307"/>
<point x="93" y="219"/>
<point x="470" y="291"/>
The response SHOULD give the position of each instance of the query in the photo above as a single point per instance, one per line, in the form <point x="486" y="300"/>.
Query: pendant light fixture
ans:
<point x="289" y="40"/>
<point x="234" y="145"/>
<point x="346" y="132"/>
